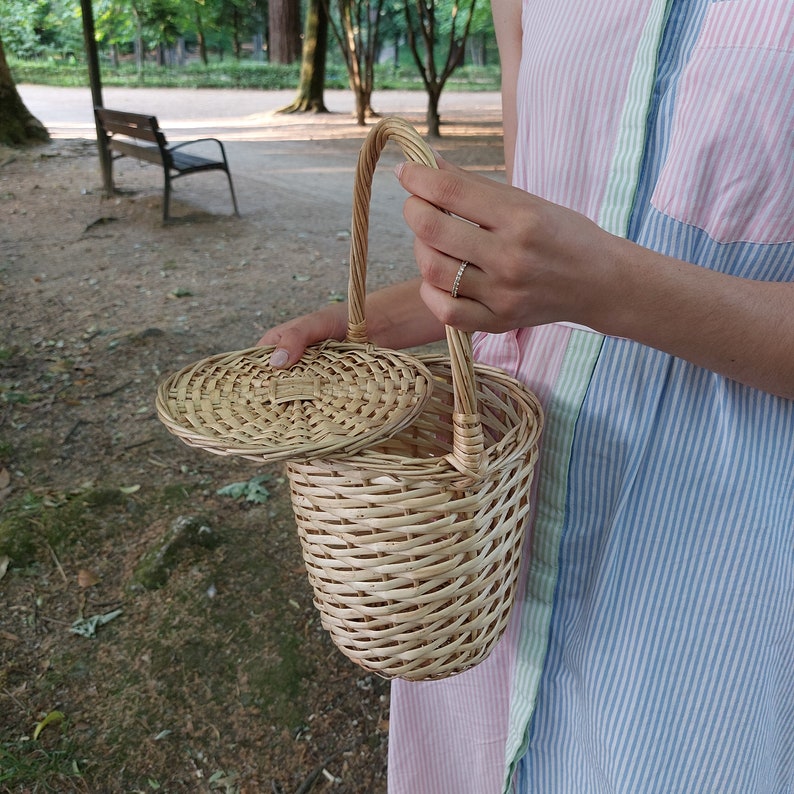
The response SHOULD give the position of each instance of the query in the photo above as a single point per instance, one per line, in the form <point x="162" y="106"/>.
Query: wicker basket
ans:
<point x="413" y="544"/>
<point x="412" y="529"/>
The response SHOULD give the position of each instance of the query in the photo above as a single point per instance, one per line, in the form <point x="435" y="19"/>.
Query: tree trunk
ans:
<point x="140" y="53"/>
<point x="358" y="89"/>
<point x="357" y="36"/>
<point x="237" y="46"/>
<point x="315" y="46"/>
<point x="432" y="117"/>
<point x="420" y="19"/>
<point x="362" y="106"/>
<point x="284" y="19"/>
<point x="201" y="37"/>
<point x="17" y="125"/>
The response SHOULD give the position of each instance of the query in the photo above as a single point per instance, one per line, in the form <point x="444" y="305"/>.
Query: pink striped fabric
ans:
<point x="557" y="79"/>
<point x="450" y="735"/>
<point x="740" y="81"/>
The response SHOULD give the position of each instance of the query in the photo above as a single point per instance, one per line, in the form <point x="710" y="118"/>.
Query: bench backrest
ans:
<point x="133" y="125"/>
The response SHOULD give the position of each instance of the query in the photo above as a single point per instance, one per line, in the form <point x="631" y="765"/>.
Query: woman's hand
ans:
<point x="533" y="262"/>
<point x="396" y="318"/>
<point x="292" y="337"/>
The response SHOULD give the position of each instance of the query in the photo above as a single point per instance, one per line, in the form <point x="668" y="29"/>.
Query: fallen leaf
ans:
<point x="86" y="627"/>
<point x="86" y="578"/>
<point x="53" y="716"/>
<point x="5" y="478"/>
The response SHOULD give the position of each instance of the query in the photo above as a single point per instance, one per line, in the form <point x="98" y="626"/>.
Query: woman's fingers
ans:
<point x="532" y="262"/>
<point x="291" y="339"/>
<point x="441" y="271"/>
<point x="452" y="190"/>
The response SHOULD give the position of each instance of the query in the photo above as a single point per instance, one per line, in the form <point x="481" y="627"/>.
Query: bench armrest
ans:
<point x="174" y="147"/>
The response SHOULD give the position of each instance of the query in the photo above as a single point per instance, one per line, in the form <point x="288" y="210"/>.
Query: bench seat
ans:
<point x="138" y="135"/>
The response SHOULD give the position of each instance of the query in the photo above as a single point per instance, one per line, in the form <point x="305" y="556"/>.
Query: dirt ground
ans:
<point x="155" y="634"/>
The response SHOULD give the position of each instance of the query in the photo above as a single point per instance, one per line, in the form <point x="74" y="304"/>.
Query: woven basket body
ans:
<point x="413" y="544"/>
<point x="410" y="476"/>
<point x="414" y="571"/>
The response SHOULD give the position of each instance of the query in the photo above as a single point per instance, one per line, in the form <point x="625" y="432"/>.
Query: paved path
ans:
<point x="249" y="115"/>
<point x="279" y="157"/>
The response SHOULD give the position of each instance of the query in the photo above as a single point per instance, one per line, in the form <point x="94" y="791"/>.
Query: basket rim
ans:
<point x="190" y="409"/>
<point x="520" y="440"/>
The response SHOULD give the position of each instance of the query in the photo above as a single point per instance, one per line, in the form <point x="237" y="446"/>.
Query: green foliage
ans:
<point x="18" y="20"/>
<point x="51" y="30"/>
<point x="239" y="74"/>
<point x="253" y="490"/>
<point x="35" y="28"/>
<point x="230" y="74"/>
<point x="31" y="765"/>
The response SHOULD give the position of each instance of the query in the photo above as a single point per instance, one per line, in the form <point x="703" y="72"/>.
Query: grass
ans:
<point x="39" y="766"/>
<point x="238" y="74"/>
<point x="33" y="522"/>
<point x="176" y="656"/>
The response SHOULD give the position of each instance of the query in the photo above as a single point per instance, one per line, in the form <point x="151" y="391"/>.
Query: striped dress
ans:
<point x="652" y="649"/>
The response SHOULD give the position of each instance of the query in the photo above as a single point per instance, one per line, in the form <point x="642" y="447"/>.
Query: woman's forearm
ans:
<point x="398" y="318"/>
<point x="736" y="327"/>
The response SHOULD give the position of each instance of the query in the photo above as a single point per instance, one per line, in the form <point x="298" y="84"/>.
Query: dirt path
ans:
<point x="248" y="115"/>
<point x="215" y="674"/>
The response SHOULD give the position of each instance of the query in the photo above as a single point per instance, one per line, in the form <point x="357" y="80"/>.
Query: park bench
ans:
<point x="138" y="135"/>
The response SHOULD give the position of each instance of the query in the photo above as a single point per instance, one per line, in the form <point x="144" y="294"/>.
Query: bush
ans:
<point x="234" y="74"/>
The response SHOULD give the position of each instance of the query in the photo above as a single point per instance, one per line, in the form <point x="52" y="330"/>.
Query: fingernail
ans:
<point x="398" y="169"/>
<point x="279" y="358"/>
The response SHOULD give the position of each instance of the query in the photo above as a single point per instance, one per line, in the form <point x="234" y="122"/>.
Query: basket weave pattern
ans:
<point x="410" y="476"/>
<point x="338" y="398"/>
<point x="414" y="573"/>
<point x="413" y="544"/>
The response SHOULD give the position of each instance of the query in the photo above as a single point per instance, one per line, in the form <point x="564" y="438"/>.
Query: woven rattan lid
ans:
<point x="338" y="398"/>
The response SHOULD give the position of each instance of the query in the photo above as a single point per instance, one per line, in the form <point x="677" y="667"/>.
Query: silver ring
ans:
<point x="458" y="277"/>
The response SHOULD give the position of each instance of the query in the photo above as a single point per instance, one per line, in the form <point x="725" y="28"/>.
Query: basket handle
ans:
<point x="468" y="455"/>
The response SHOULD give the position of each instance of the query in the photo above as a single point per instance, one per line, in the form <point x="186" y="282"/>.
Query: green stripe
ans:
<point x="560" y="421"/>
<point x="564" y="407"/>
<point x="621" y="188"/>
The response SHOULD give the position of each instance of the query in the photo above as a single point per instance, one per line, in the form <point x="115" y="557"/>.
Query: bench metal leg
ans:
<point x="166" y="196"/>
<point x="234" y="198"/>
<point x="167" y="191"/>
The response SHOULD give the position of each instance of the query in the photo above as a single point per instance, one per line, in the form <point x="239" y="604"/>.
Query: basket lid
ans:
<point x="338" y="398"/>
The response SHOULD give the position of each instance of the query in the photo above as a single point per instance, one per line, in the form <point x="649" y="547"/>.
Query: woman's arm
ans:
<point x="507" y="24"/>
<point x="396" y="318"/>
<point x="737" y="327"/>
<point x="535" y="262"/>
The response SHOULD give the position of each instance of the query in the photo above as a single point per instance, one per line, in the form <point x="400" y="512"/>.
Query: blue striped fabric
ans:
<point x="670" y="659"/>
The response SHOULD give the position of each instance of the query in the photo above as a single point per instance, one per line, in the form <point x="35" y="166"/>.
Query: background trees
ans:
<point x="355" y="24"/>
<point x="208" y="29"/>
<point x="369" y="40"/>
<point x="437" y="34"/>
<point x="17" y="125"/>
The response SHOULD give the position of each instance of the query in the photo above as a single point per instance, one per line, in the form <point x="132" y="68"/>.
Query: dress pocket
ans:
<point x="730" y="167"/>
